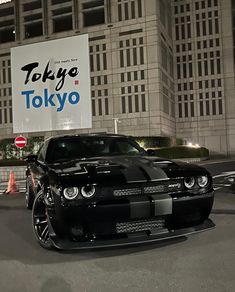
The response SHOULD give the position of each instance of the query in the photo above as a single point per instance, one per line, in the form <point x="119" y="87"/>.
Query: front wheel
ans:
<point x="40" y="221"/>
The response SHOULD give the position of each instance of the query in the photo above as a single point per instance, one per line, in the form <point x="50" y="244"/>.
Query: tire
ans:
<point x="40" y="222"/>
<point x="29" y="195"/>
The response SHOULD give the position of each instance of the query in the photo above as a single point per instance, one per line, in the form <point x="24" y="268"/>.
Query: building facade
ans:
<point x="162" y="67"/>
<point x="204" y="73"/>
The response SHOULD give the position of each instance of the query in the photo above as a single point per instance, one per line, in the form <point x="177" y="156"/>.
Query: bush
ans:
<point x="155" y="142"/>
<point x="10" y="151"/>
<point x="182" y="152"/>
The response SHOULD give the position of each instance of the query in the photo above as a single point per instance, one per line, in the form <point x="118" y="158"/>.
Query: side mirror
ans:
<point x="31" y="158"/>
<point x="151" y="152"/>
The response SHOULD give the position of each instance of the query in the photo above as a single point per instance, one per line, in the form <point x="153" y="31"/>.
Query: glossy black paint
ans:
<point x="145" y="195"/>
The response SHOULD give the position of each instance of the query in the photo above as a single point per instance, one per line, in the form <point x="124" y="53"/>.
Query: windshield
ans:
<point x="68" y="148"/>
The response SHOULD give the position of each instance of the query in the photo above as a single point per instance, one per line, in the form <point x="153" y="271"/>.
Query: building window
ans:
<point x="186" y="110"/>
<point x="62" y="19"/>
<point x="199" y="68"/>
<point x="216" y="25"/>
<point x="220" y="107"/>
<point x="98" y="57"/>
<point x="93" y="12"/>
<point x="201" y="108"/>
<point x="0" y="112"/>
<point x="130" y="103"/>
<point x="198" y="28"/>
<point x="7" y="35"/>
<point x="93" y="107"/>
<point x="218" y="66"/>
<point x="135" y="98"/>
<point x="206" y="67"/>
<point x="33" y="5"/>
<point x="123" y="104"/>
<point x="7" y="12"/>
<point x="100" y="106"/>
<point x="214" y="107"/>
<point x="192" y="109"/>
<point x="182" y="31"/>
<point x="180" y="110"/>
<point x="33" y="29"/>
<point x="129" y="10"/>
<point x="204" y="27"/>
<point x="210" y="27"/>
<point x="133" y="47"/>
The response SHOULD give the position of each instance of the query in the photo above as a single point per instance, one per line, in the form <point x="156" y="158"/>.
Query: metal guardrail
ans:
<point x="19" y="172"/>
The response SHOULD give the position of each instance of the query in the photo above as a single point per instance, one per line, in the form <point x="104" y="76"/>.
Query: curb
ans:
<point x="192" y="160"/>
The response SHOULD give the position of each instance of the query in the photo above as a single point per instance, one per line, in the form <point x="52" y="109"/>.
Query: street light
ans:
<point x="116" y="121"/>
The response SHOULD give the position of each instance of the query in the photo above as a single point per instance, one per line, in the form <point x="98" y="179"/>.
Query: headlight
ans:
<point x="202" y="181"/>
<point x="70" y="193"/>
<point x="87" y="191"/>
<point x="189" y="182"/>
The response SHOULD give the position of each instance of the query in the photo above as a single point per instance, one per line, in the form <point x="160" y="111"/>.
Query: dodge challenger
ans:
<point x="99" y="190"/>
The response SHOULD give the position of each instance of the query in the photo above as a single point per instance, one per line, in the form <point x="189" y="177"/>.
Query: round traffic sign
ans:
<point x="20" y="142"/>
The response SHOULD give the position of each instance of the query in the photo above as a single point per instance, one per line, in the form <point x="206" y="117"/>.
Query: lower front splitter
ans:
<point x="65" y="244"/>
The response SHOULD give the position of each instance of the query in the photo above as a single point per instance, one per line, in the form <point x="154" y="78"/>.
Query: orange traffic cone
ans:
<point x="11" y="184"/>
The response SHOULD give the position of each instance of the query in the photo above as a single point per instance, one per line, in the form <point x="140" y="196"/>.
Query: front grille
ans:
<point x="155" y="189"/>
<point x="140" y="225"/>
<point x="169" y="186"/>
<point x="127" y="192"/>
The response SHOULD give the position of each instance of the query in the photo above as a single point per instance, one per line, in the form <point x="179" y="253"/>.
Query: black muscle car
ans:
<point x="103" y="190"/>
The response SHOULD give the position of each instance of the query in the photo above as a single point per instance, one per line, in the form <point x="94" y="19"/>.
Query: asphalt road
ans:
<point x="202" y="262"/>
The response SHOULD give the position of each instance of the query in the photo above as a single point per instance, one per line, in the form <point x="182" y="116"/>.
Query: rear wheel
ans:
<point x="40" y="221"/>
<point x="29" y="195"/>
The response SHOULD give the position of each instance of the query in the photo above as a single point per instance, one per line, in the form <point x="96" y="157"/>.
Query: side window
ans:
<point x="126" y="147"/>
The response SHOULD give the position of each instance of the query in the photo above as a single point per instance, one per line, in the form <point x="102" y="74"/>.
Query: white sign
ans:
<point x="4" y="1"/>
<point x="51" y="85"/>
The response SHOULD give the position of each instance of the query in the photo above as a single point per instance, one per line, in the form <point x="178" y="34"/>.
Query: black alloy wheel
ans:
<point x="40" y="221"/>
<point x="29" y="196"/>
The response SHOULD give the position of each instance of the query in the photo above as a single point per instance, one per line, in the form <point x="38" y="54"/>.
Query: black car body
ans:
<point x="103" y="190"/>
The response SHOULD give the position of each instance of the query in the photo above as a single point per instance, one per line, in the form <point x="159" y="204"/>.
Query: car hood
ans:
<point x="120" y="170"/>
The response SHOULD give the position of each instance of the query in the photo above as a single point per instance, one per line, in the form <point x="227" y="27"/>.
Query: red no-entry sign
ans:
<point x="20" y="142"/>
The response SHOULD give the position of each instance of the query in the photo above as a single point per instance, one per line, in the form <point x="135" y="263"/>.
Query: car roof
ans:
<point x="101" y="135"/>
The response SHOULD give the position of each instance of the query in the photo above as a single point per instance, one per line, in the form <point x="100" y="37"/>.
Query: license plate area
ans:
<point x="162" y="204"/>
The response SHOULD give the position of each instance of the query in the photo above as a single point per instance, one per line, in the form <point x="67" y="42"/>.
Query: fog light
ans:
<point x="77" y="230"/>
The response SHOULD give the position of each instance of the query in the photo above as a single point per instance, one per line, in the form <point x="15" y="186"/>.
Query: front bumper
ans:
<point x="100" y="223"/>
<point x="138" y="238"/>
